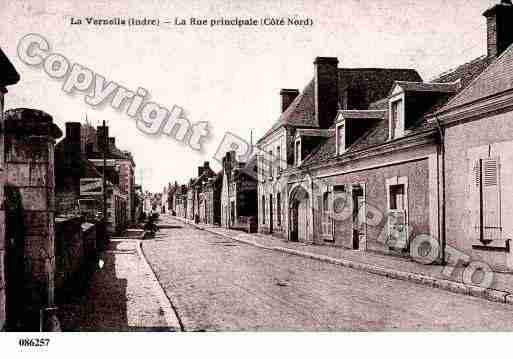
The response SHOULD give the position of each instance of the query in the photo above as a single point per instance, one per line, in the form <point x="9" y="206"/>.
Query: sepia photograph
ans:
<point x="302" y="170"/>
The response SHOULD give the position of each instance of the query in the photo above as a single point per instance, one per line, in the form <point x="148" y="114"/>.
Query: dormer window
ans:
<point x="341" y="138"/>
<point x="396" y="118"/>
<point x="297" y="152"/>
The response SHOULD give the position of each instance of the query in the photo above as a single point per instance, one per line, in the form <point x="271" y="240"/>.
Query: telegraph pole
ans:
<point x="104" y="179"/>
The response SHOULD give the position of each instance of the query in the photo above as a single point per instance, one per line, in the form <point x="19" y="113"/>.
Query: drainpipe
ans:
<point x="441" y="146"/>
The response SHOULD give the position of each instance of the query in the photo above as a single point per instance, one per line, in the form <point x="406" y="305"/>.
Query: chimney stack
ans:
<point x="326" y="90"/>
<point x="72" y="146"/>
<point x="499" y="27"/>
<point x="112" y="141"/>
<point x="102" y="133"/>
<point x="287" y="97"/>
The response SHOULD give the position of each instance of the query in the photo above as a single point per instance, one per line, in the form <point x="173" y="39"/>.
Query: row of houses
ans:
<point x="371" y="159"/>
<point x="82" y="158"/>
<point x="226" y="198"/>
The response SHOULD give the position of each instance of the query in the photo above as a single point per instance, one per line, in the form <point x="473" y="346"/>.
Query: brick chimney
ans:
<point x="72" y="146"/>
<point x="102" y="132"/>
<point x="287" y="96"/>
<point x="499" y="22"/>
<point x="326" y="90"/>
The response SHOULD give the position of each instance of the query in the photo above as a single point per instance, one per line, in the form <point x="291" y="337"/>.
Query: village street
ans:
<point x="215" y="283"/>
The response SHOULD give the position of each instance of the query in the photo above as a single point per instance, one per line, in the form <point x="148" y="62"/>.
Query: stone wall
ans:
<point x="75" y="251"/>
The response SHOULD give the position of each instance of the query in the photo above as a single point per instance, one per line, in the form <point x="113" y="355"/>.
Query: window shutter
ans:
<point x="491" y="199"/>
<point x="475" y="201"/>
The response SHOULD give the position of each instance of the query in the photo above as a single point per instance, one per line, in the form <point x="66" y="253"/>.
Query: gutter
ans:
<point x="441" y="146"/>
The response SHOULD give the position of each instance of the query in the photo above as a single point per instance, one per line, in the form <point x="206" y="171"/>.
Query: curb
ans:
<point x="492" y="295"/>
<point x="170" y="314"/>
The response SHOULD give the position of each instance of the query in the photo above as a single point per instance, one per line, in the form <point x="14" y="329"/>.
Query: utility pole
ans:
<point x="104" y="179"/>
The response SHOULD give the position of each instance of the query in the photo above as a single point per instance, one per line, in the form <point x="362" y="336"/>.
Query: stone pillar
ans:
<point x="29" y="164"/>
<point x="2" y="217"/>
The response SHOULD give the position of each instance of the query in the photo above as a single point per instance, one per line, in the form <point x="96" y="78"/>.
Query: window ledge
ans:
<point x="495" y="246"/>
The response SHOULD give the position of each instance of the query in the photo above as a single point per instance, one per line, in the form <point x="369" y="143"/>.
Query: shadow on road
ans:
<point x="102" y="305"/>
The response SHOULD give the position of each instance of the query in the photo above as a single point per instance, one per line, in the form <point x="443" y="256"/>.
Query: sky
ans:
<point x="228" y="76"/>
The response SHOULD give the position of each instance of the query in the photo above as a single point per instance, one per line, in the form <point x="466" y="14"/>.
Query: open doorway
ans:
<point x="359" y="214"/>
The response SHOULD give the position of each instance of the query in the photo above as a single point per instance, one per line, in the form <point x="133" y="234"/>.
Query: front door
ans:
<point x="303" y="221"/>
<point x="359" y="232"/>
<point x="271" y="219"/>
<point x="232" y="214"/>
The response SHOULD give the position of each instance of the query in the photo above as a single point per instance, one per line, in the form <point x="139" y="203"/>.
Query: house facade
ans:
<point x="307" y="120"/>
<point x="478" y="154"/>
<point x="239" y="205"/>
<point x="373" y="159"/>
<point x="181" y="198"/>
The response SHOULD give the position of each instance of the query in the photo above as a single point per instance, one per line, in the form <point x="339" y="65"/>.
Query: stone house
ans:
<point x="181" y="201"/>
<point x="120" y="164"/>
<point x="8" y="76"/>
<point x="239" y="205"/>
<point x="164" y="199"/>
<point x="119" y="172"/>
<point x="195" y="189"/>
<point x="387" y="168"/>
<point x="171" y="197"/>
<point x="78" y="183"/>
<point x="308" y="119"/>
<point x="477" y="153"/>
<point x="211" y="195"/>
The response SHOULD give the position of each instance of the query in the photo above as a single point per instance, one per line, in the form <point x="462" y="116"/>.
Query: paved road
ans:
<point x="217" y="284"/>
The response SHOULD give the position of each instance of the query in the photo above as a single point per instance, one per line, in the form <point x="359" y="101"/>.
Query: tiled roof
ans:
<point x="466" y="73"/>
<point x="363" y="114"/>
<point x="441" y="87"/>
<point x="497" y="78"/>
<point x="8" y="74"/>
<point x="371" y="84"/>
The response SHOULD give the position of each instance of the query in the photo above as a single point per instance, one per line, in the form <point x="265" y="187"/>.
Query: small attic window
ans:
<point x="341" y="138"/>
<point x="396" y="118"/>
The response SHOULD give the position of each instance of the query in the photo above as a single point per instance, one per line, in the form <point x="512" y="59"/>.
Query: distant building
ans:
<point x="211" y="200"/>
<point x="239" y="204"/>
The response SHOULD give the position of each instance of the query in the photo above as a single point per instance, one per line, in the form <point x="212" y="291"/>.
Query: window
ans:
<point x="278" y="208"/>
<point x="397" y="120"/>
<point x="297" y="152"/>
<point x="263" y="209"/>
<point x="271" y="161"/>
<point x="278" y="160"/>
<point x="341" y="141"/>
<point x="397" y="197"/>
<point x="486" y="200"/>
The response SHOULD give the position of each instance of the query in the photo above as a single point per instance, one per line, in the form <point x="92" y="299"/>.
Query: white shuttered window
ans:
<point x="486" y="200"/>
